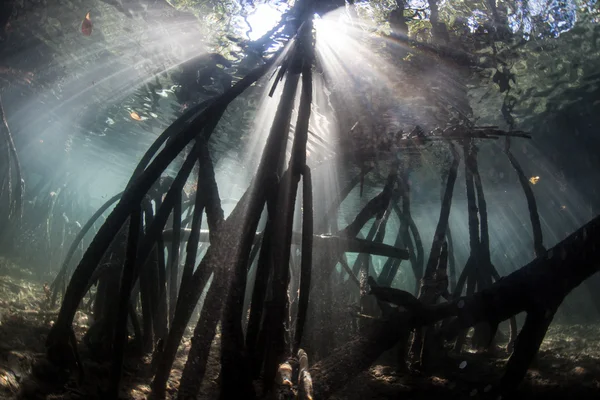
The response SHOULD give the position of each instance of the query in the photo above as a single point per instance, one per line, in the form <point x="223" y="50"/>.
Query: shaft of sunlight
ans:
<point x="238" y="165"/>
<point x="102" y="74"/>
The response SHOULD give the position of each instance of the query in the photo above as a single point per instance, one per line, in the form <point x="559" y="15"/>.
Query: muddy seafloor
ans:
<point x="568" y="365"/>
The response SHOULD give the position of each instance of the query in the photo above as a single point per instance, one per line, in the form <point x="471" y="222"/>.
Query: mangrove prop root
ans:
<point x="433" y="287"/>
<point x="187" y="300"/>
<point x="149" y="286"/>
<point x="451" y="262"/>
<point x="174" y="196"/>
<point x="179" y="124"/>
<point x="362" y="258"/>
<point x="258" y="300"/>
<point x="131" y="198"/>
<point x="469" y="154"/>
<point x="281" y="246"/>
<point x="214" y="212"/>
<point x="335" y="371"/>
<point x="526" y="347"/>
<point x="366" y="304"/>
<point x="472" y="268"/>
<point x="160" y="328"/>
<point x="137" y="328"/>
<point x="394" y="296"/>
<point x="488" y="271"/>
<point x="80" y="235"/>
<point x="348" y="270"/>
<point x="173" y="266"/>
<point x="204" y="333"/>
<point x="513" y="334"/>
<point x="232" y="369"/>
<point x="355" y="245"/>
<point x="189" y="294"/>
<point x="390" y="268"/>
<point x="16" y="207"/>
<point x="221" y="257"/>
<point x="73" y="343"/>
<point x="333" y="209"/>
<point x="235" y="377"/>
<point x="442" y="226"/>
<point x="255" y="335"/>
<point x="345" y="244"/>
<point x="375" y="207"/>
<point x="306" y="263"/>
<point x="545" y="280"/>
<point x="120" y="338"/>
<point x="329" y="255"/>
<point x="408" y="227"/>
<point x="538" y="239"/>
<point x="153" y="232"/>
<point x="418" y="246"/>
<point x="205" y="163"/>
<point x="484" y="333"/>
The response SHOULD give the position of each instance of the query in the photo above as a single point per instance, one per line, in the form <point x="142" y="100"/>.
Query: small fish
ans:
<point x="135" y="116"/>
<point x="86" y="25"/>
<point x="534" y="179"/>
<point x="284" y="374"/>
<point x="305" y="388"/>
<point x="302" y="361"/>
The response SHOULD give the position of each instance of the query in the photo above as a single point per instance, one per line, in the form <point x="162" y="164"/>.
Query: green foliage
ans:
<point x="376" y="12"/>
<point x="215" y="18"/>
<point x="419" y="29"/>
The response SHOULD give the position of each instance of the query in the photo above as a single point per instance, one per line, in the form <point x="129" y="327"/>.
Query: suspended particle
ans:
<point x="487" y="388"/>
<point x="86" y="25"/>
<point x="462" y="365"/>
<point x="534" y="179"/>
<point x="284" y="374"/>
<point x="461" y="304"/>
<point x="473" y="392"/>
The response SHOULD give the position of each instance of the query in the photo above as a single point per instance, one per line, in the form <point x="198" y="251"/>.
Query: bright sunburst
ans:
<point x="262" y="19"/>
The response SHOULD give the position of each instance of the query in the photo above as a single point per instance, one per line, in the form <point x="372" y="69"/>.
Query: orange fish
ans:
<point x="135" y="116"/>
<point x="86" y="25"/>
